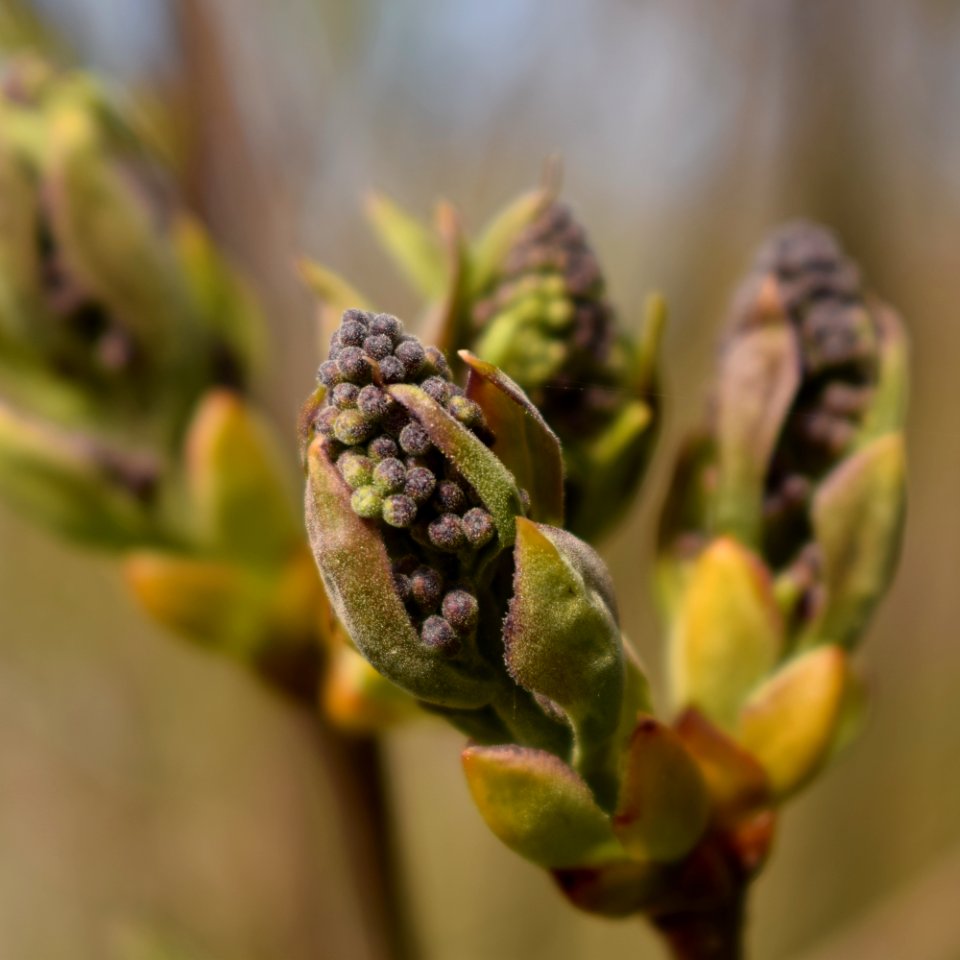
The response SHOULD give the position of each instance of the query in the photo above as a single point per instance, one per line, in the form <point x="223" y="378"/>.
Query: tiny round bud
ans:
<point x="399" y="510"/>
<point x="387" y="325"/>
<point x="419" y="484"/>
<point x="352" y="427"/>
<point x="401" y="583"/>
<point x="478" y="527"/>
<point x="392" y="370"/>
<point x="351" y="334"/>
<point x="415" y="440"/>
<point x="411" y="354"/>
<point x="355" y="315"/>
<point x="437" y="388"/>
<point x="436" y="359"/>
<point x="326" y="421"/>
<point x="389" y="476"/>
<point x="466" y="411"/>
<point x="356" y="469"/>
<point x="353" y="365"/>
<point x="446" y="533"/>
<point x="366" y="502"/>
<point x="438" y="635"/>
<point x="382" y="447"/>
<point x="372" y="402"/>
<point x="344" y="395"/>
<point x="329" y="373"/>
<point x="450" y="496"/>
<point x="426" y="586"/>
<point x="378" y="346"/>
<point x="460" y="610"/>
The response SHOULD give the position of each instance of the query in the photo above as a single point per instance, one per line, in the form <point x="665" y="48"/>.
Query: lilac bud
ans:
<point x="329" y="373"/>
<point x="435" y="358"/>
<point x="356" y="469"/>
<point x="460" y="609"/>
<point x="389" y="476"/>
<point x="478" y="527"/>
<point x="415" y="440"/>
<point x="420" y="483"/>
<point x="353" y="364"/>
<point x="372" y="402"/>
<point x="466" y="411"/>
<point x="399" y="510"/>
<point x="426" y="586"/>
<point x="344" y="395"/>
<point x="392" y="370"/>
<point x="352" y="427"/>
<point x="387" y="325"/>
<point x="446" y="533"/>
<point x="437" y="634"/>
<point x="411" y="354"/>
<point x="351" y="334"/>
<point x="366" y="502"/>
<point x="382" y="447"/>
<point x="326" y="421"/>
<point x="437" y="388"/>
<point x="378" y="346"/>
<point x="450" y="496"/>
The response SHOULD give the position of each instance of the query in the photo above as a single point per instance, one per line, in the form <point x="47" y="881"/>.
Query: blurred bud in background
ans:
<point x="529" y="297"/>
<point x="782" y="526"/>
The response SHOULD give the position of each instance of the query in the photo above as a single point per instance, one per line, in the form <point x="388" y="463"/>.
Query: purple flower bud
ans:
<point x="389" y="476"/>
<point x="446" y="533"/>
<point x="382" y="447"/>
<point x="399" y="510"/>
<point x="437" y="634"/>
<point x="356" y="315"/>
<point x="356" y="469"/>
<point x="411" y="354"/>
<point x="372" y="402"/>
<point x="351" y="334"/>
<point x="378" y="346"/>
<point x="450" y="497"/>
<point x="415" y="440"/>
<point x="387" y="325"/>
<point x="401" y="583"/>
<point x="426" y="586"/>
<point x="352" y="427"/>
<point x="325" y="421"/>
<point x="466" y="411"/>
<point x="366" y="502"/>
<point x="344" y="395"/>
<point x="435" y="358"/>
<point x="460" y="609"/>
<point x="392" y="370"/>
<point x="420" y="483"/>
<point x="437" y="388"/>
<point x="478" y="527"/>
<point x="353" y="364"/>
<point x="329" y="373"/>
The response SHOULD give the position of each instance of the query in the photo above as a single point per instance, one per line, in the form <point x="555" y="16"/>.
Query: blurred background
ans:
<point x="156" y="801"/>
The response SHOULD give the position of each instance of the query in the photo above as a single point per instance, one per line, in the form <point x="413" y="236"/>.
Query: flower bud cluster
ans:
<point x="551" y="285"/>
<point x="432" y="518"/>
<point x="821" y="295"/>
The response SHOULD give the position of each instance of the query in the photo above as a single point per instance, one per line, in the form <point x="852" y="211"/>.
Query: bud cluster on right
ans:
<point x="783" y="523"/>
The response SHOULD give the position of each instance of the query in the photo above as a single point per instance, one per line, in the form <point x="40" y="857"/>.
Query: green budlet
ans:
<point x="529" y="297"/>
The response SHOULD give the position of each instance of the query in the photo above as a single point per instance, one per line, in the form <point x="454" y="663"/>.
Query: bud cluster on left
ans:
<point x="127" y="350"/>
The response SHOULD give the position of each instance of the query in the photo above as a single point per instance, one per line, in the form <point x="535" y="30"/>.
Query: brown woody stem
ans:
<point x="716" y="934"/>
